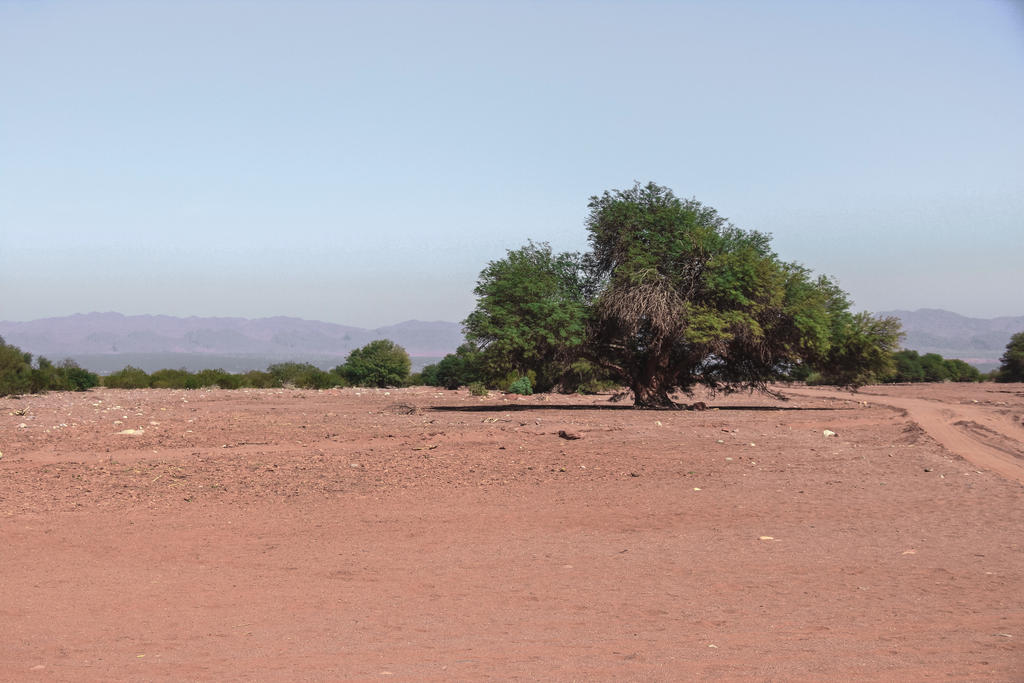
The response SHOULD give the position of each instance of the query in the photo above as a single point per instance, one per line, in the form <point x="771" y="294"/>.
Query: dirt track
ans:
<point x="993" y="439"/>
<point x="414" y="534"/>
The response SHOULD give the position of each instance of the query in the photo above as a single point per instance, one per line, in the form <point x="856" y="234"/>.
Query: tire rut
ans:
<point x="990" y="440"/>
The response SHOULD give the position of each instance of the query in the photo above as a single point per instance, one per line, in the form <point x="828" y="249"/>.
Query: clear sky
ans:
<point x="360" y="162"/>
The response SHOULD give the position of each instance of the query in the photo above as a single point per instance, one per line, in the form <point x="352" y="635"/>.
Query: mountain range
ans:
<point x="109" y="341"/>
<point x="978" y="341"/>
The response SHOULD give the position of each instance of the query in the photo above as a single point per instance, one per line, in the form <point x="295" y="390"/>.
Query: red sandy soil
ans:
<point x="287" y="535"/>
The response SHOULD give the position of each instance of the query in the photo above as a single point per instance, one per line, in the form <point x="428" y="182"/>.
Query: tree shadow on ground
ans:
<point x="575" y="406"/>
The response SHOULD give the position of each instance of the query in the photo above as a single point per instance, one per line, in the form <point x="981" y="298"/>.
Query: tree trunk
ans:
<point x="653" y="396"/>
<point x="650" y="389"/>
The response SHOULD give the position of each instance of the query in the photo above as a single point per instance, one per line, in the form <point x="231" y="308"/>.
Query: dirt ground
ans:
<point x="416" y="534"/>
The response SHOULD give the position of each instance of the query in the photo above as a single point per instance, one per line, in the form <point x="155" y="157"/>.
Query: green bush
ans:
<point x="959" y="371"/>
<point x="127" y="378"/>
<point x="477" y="389"/>
<point x="934" y="367"/>
<point x="426" y="377"/>
<point x="15" y="370"/>
<point x="585" y="377"/>
<point x="317" y="379"/>
<point x="257" y="379"/>
<point x="75" y="378"/>
<point x="45" y="377"/>
<point x="522" y="386"/>
<point x="455" y="370"/>
<point x="19" y="376"/>
<point x="292" y="373"/>
<point x="173" y="379"/>
<point x="910" y="366"/>
<point x="380" y="363"/>
<point x="217" y="378"/>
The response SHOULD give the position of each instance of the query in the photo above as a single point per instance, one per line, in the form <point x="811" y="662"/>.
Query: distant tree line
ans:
<point x="380" y="363"/>
<point x="19" y="374"/>
<point x="383" y="363"/>
<point x="910" y="366"/>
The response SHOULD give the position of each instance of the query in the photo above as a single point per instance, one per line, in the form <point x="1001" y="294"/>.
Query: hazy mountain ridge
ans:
<point x="979" y="341"/>
<point x="278" y="337"/>
<point x="104" y="337"/>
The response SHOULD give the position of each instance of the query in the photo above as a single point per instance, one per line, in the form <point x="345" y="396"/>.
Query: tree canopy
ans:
<point x="531" y="314"/>
<point x="672" y="296"/>
<point x="380" y="363"/>
<point x="1012" y="368"/>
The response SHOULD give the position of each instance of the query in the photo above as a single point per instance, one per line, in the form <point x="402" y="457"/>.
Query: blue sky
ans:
<point x="360" y="162"/>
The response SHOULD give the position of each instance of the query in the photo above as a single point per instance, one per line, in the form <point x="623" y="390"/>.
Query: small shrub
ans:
<point x="816" y="379"/>
<point x="597" y="386"/>
<point x="477" y="389"/>
<point x="76" y="378"/>
<point x="218" y="378"/>
<point x="316" y="379"/>
<point x="296" y="374"/>
<point x="257" y="379"/>
<point x="127" y="378"/>
<point x="15" y="370"/>
<point x="585" y="377"/>
<point x="521" y="386"/>
<point x="173" y="379"/>
<point x="45" y="377"/>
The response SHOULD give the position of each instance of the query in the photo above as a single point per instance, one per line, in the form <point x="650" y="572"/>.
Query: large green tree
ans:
<point x="691" y="299"/>
<point x="1012" y="368"/>
<point x="531" y="314"/>
<point x="674" y="296"/>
